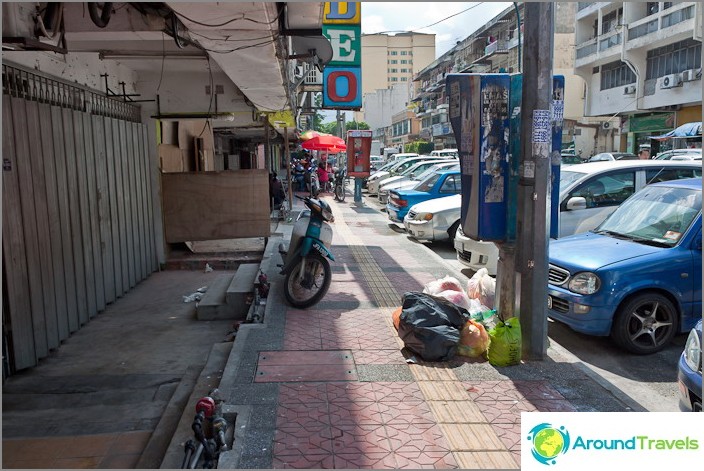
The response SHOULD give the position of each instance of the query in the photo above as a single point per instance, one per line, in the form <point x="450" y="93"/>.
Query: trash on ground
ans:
<point x="208" y="268"/>
<point x="505" y="346"/>
<point x="474" y="340"/>
<point x="192" y="297"/>
<point x="482" y="286"/>
<point x="202" y="289"/>
<point x="447" y="283"/>
<point x="430" y="326"/>
<point x="396" y="317"/>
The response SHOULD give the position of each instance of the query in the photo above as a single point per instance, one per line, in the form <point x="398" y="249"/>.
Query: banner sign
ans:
<point x="342" y="76"/>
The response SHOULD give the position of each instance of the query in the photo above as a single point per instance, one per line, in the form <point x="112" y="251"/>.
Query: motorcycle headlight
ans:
<point x="693" y="351"/>
<point x="585" y="283"/>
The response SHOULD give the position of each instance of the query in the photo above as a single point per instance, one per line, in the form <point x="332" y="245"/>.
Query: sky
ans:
<point x="380" y="17"/>
<point x="403" y="16"/>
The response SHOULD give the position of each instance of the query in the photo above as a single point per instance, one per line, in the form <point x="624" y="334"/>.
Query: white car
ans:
<point x="375" y="180"/>
<point x="680" y="154"/>
<point x="411" y="174"/>
<point x="588" y="194"/>
<point x="434" y="220"/>
<point x="445" y="153"/>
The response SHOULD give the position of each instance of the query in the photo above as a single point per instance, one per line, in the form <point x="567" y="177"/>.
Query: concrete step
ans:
<point x="213" y="306"/>
<point x="208" y="379"/>
<point x="240" y="291"/>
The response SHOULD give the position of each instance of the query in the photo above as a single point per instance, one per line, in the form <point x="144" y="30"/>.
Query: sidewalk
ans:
<point x="329" y="387"/>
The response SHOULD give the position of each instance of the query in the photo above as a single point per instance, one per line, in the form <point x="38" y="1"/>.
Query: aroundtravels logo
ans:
<point x="548" y="442"/>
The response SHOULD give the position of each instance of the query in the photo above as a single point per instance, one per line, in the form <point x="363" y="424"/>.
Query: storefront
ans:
<point x="639" y="128"/>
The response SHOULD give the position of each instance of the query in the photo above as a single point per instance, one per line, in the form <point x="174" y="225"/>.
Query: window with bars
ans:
<point x="673" y="58"/>
<point x="616" y="74"/>
<point x="404" y="53"/>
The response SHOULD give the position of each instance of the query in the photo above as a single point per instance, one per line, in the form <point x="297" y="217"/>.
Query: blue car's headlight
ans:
<point x="693" y="351"/>
<point x="585" y="283"/>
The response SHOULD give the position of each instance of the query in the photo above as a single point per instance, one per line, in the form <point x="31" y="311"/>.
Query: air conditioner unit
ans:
<point x="671" y="81"/>
<point x="689" y="75"/>
<point x="629" y="90"/>
<point x="606" y="125"/>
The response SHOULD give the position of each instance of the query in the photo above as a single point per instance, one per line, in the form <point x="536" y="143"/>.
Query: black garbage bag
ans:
<point x="430" y="326"/>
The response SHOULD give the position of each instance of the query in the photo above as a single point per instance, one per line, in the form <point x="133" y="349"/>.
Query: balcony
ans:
<point x="609" y="42"/>
<point x="497" y="47"/>
<point x="582" y="5"/>
<point x="586" y="49"/>
<point x="642" y="29"/>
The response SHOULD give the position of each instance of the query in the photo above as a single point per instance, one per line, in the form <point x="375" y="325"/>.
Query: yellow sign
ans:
<point x="281" y="119"/>
<point x="336" y="13"/>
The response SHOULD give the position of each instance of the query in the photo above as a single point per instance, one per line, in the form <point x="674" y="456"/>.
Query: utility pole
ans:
<point x="533" y="218"/>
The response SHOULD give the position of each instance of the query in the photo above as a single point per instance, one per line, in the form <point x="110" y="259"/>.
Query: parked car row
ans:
<point x="654" y="238"/>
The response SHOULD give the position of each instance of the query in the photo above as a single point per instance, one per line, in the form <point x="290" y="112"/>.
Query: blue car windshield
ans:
<point x="656" y="215"/>
<point x="427" y="184"/>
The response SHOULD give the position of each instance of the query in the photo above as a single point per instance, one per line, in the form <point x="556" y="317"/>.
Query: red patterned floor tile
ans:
<point x="302" y="393"/>
<point x="504" y="411"/>
<point x="360" y="439"/>
<point x="365" y="461"/>
<point x="379" y="357"/>
<point x="510" y="434"/>
<point x="355" y="413"/>
<point x="303" y="462"/>
<point x="303" y="415"/>
<point x="540" y="390"/>
<point x="408" y="411"/>
<point x="429" y="460"/>
<point x="351" y="392"/>
<point x="302" y="441"/>
<point x="415" y="438"/>
<point x="398" y="392"/>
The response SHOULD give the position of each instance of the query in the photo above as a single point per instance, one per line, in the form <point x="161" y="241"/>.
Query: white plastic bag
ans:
<point x="482" y="287"/>
<point x="447" y="283"/>
<point x="458" y="298"/>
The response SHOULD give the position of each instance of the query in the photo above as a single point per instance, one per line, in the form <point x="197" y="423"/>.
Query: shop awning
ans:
<point x="693" y="129"/>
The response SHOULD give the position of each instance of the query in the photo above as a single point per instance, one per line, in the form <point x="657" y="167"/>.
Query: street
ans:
<point x="650" y="380"/>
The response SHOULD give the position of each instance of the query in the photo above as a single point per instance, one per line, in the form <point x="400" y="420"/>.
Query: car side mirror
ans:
<point x="575" y="203"/>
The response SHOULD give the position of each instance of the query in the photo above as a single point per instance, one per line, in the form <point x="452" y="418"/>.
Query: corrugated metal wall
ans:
<point x="77" y="209"/>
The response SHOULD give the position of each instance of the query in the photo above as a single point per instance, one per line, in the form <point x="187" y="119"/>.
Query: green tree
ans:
<point x="327" y="128"/>
<point x="318" y="116"/>
<point x="357" y="125"/>
<point x="420" y="147"/>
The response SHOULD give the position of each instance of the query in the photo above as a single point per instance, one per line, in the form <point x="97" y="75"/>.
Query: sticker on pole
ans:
<point x="541" y="126"/>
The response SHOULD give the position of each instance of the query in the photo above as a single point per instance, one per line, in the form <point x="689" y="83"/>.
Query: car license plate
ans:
<point x="549" y="302"/>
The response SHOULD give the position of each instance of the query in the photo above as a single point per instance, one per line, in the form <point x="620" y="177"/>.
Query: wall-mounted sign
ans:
<point x="342" y="77"/>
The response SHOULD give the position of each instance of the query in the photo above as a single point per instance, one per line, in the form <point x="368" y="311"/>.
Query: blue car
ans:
<point x="638" y="276"/>
<point x="438" y="185"/>
<point x="689" y="372"/>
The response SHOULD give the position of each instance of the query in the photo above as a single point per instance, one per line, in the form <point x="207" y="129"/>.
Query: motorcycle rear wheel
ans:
<point x="340" y="193"/>
<point x="303" y="293"/>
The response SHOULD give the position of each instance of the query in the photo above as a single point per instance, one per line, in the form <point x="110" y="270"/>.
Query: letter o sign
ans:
<point x="342" y="87"/>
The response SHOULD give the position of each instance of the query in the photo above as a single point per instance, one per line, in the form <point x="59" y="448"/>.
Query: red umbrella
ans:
<point x="329" y="143"/>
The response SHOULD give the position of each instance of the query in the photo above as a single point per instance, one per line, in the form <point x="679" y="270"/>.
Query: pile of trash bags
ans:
<point x="445" y="320"/>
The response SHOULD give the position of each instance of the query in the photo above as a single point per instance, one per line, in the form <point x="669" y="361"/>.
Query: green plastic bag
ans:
<point x="505" y="345"/>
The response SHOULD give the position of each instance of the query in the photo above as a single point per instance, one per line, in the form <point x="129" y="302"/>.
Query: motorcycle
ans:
<point x="312" y="182"/>
<point x="340" y="185"/>
<point x="305" y="261"/>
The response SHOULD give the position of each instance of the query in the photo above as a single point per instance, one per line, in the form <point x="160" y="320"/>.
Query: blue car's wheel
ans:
<point x="645" y="324"/>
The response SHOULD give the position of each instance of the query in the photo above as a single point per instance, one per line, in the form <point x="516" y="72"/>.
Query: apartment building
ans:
<point x="494" y="48"/>
<point x="641" y="62"/>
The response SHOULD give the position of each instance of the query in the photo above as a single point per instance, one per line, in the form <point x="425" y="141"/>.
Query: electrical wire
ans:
<point x="243" y="18"/>
<point x="212" y="94"/>
<point x="163" y="59"/>
<point x="227" y="40"/>
<point x="432" y="24"/>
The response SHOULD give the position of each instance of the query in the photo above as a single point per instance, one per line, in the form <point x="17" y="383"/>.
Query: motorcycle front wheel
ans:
<point x="304" y="291"/>
<point x="340" y="193"/>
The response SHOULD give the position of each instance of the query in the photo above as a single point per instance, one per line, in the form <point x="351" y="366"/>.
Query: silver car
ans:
<point x="411" y="174"/>
<point x="434" y="220"/>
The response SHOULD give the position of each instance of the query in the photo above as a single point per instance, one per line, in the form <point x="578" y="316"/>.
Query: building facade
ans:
<point x="641" y="62"/>
<point x="494" y="48"/>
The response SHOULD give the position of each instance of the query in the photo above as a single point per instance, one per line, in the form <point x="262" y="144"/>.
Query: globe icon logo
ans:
<point x="548" y="442"/>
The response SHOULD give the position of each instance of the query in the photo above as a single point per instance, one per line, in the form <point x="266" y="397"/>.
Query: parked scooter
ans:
<point x="340" y="176"/>
<point x="312" y="182"/>
<point x="305" y="263"/>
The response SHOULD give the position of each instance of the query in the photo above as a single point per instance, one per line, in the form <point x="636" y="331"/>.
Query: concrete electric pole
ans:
<point x="533" y="216"/>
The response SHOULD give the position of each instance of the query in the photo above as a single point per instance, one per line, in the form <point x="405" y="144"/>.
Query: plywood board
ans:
<point x="170" y="158"/>
<point x="104" y="222"/>
<point x="41" y="209"/>
<point x="29" y="222"/>
<point x="216" y="205"/>
<point x="57" y="254"/>
<point x="82" y="208"/>
<point x="92" y="213"/>
<point x="64" y="217"/>
<point x="15" y="275"/>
